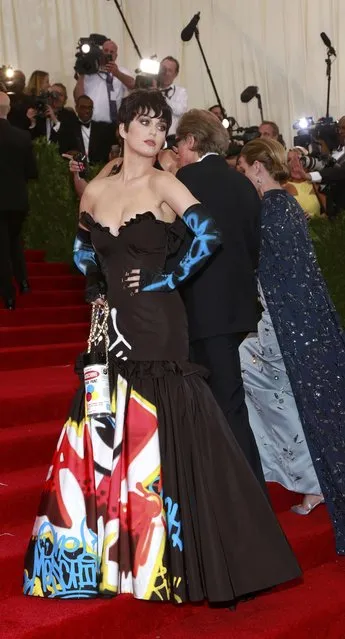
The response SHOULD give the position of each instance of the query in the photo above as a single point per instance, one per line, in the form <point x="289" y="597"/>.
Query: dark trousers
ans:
<point x="221" y="357"/>
<point x="12" y="261"/>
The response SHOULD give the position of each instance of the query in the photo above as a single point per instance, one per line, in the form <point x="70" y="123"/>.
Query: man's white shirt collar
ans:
<point x="206" y="154"/>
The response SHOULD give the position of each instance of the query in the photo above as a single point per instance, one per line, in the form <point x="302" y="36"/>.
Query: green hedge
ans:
<point x="54" y="212"/>
<point x="54" y="205"/>
<point x="329" y="241"/>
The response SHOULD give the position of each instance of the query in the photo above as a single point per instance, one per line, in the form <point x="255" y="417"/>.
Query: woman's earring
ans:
<point x="258" y="181"/>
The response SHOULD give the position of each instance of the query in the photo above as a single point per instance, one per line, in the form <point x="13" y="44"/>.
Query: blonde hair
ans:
<point x="34" y="86"/>
<point x="271" y="154"/>
<point x="209" y="134"/>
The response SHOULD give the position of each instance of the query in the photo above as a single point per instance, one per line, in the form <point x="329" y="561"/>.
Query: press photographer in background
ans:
<point x="175" y="95"/>
<point x="100" y="77"/>
<point x="326" y="167"/>
<point x="47" y="110"/>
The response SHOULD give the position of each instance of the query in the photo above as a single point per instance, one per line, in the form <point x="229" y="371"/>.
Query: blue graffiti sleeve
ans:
<point x="86" y="261"/>
<point x="206" y="241"/>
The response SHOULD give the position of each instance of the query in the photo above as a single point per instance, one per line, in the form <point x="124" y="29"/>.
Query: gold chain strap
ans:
<point x="99" y="327"/>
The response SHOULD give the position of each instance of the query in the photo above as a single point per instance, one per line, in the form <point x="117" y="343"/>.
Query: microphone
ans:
<point x="249" y="93"/>
<point x="188" y="32"/>
<point x="325" y="39"/>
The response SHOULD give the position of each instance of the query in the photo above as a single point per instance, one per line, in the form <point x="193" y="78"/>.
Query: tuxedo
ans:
<point x="17" y="166"/>
<point x="101" y="136"/>
<point x="45" y="128"/>
<point x="221" y="299"/>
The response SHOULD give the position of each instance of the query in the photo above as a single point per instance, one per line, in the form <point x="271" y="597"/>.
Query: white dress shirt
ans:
<point x="177" y="99"/>
<point x="86" y="132"/>
<point x="95" y="87"/>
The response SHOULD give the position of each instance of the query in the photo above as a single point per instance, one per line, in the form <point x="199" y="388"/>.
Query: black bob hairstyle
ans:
<point x="142" y="102"/>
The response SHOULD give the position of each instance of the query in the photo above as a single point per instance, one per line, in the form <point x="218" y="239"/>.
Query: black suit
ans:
<point x="17" y="165"/>
<point x="334" y="179"/>
<point x="102" y="137"/>
<point x="66" y="117"/>
<point x="221" y="299"/>
<point x="19" y="106"/>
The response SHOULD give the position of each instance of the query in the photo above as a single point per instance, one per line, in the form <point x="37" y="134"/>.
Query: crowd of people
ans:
<point x="176" y="247"/>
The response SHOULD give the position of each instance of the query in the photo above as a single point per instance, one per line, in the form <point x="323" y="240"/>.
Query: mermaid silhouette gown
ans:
<point x="157" y="499"/>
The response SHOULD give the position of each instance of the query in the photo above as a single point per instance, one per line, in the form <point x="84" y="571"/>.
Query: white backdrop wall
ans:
<point x="274" y="44"/>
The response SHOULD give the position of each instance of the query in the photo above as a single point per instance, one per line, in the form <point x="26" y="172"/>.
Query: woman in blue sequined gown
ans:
<point x="297" y="363"/>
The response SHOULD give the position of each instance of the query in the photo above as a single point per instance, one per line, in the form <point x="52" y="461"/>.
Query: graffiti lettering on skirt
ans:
<point x="173" y="523"/>
<point x="63" y="565"/>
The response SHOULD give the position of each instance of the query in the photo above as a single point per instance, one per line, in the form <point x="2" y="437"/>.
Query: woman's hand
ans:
<point x="131" y="280"/>
<point x="73" y="165"/>
<point x="49" y="113"/>
<point x="100" y="301"/>
<point x="297" y="171"/>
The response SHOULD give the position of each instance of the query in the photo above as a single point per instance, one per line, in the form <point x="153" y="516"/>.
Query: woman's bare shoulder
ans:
<point x="91" y="195"/>
<point x="162" y="178"/>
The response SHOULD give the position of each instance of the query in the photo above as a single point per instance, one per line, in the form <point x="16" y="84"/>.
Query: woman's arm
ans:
<point x="84" y="254"/>
<point x="206" y="238"/>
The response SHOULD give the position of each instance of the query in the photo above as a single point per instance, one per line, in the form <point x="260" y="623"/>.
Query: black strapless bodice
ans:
<point x="143" y="326"/>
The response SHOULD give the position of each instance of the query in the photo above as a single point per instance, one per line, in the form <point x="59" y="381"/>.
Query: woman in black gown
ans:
<point x="155" y="499"/>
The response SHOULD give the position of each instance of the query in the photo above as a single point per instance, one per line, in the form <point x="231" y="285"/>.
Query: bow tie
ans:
<point x="168" y="93"/>
<point x="87" y="124"/>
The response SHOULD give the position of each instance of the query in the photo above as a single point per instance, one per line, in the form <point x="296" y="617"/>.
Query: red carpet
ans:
<point x="38" y="345"/>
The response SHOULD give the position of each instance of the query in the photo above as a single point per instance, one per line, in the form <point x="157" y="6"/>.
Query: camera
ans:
<point x="316" y="162"/>
<point x="246" y="134"/>
<point x="82" y="161"/>
<point x="42" y="100"/>
<point x="90" y="56"/>
<point x="308" y="131"/>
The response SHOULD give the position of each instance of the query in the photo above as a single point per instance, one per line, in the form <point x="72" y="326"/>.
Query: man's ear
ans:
<point x="190" y="141"/>
<point x="122" y="131"/>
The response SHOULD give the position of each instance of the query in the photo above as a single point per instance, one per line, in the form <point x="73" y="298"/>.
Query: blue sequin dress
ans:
<point x="312" y="345"/>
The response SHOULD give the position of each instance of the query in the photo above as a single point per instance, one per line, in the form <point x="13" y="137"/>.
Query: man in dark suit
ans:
<point x="92" y="139"/>
<point x="17" y="165"/>
<point x="221" y="300"/>
<point x="52" y="113"/>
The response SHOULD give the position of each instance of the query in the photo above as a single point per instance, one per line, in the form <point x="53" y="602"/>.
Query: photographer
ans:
<point x="48" y="111"/>
<point x="330" y="168"/>
<point x="175" y="96"/>
<point x="107" y="87"/>
<point x="270" y="130"/>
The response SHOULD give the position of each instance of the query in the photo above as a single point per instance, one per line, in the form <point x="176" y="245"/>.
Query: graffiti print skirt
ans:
<point x="156" y="500"/>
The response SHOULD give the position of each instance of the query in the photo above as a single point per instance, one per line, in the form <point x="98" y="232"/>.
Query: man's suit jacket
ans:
<point x="102" y="137"/>
<point x="222" y="297"/>
<point x="334" y="178"/>
<point x="66" y="117"/>
<point x="17" y="165"/>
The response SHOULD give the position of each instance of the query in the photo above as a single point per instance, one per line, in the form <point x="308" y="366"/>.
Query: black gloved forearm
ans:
<point x="206" y="241"/>
<point x="86" y="261"/>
